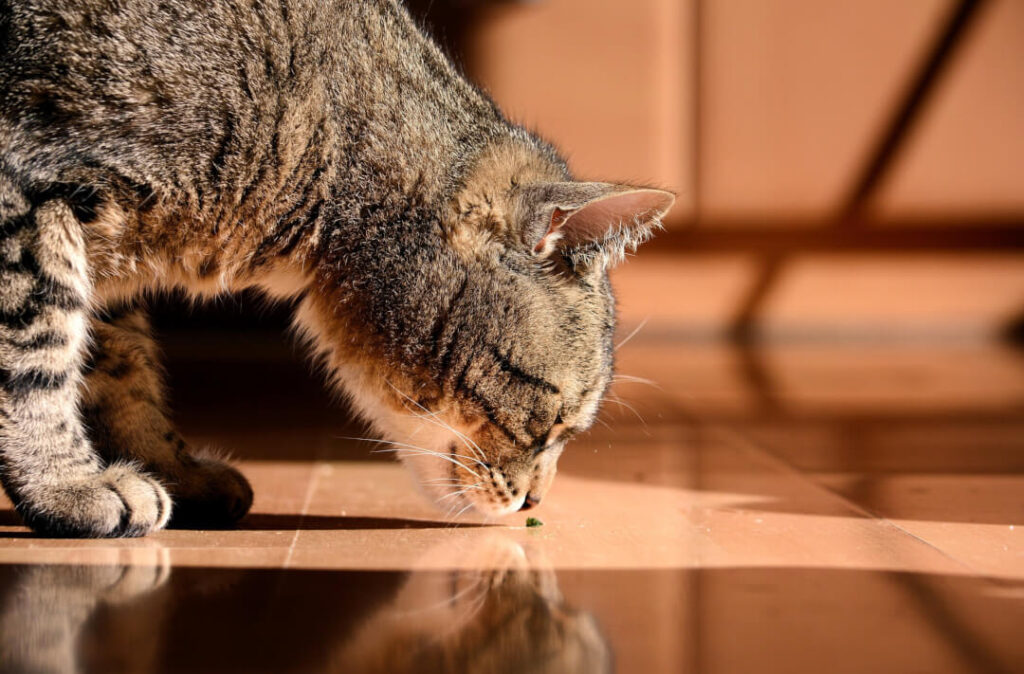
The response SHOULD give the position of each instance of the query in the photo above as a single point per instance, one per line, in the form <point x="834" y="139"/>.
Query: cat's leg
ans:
<point x="47" y="464"/>
<point x="126" y="411"/>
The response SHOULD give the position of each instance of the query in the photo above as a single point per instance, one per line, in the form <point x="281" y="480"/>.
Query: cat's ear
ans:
<point x="592" y="221"/>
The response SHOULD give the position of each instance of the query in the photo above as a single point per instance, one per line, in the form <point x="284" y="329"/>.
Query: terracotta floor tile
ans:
<point x="724" y="504"/>
<point x="808" y="509"/>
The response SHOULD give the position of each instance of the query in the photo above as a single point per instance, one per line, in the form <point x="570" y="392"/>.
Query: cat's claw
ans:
<point x="120" y="501"/>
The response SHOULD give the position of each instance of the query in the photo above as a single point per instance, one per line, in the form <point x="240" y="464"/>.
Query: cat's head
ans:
<point x="482" y="356"/>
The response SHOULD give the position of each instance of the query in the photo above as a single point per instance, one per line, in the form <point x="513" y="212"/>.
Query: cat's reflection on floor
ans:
<point x="45" y="608"/>
<point x="500" y="610"/>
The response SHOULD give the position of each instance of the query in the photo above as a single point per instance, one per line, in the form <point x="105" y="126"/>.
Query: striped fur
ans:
<point x="452" y="277"/>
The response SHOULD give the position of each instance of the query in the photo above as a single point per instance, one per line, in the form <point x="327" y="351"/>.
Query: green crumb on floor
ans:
<point x="533" y="522"/>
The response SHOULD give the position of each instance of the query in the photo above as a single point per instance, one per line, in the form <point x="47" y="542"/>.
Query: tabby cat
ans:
<point x="449" y="274"/>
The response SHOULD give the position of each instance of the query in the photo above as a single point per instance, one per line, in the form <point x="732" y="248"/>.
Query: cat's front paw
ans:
<point x="120" y="501"/>
<point x="210" y="494"/>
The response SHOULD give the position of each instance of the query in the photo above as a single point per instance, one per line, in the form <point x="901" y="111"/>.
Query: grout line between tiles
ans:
<point x="956" y="633"/>
<point x="783" y="465"/>
<point x="314" y="482"/>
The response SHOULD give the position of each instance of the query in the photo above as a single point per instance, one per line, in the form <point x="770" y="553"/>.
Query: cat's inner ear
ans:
<point x="554" y="222"/>
<point x="588" y="219"/>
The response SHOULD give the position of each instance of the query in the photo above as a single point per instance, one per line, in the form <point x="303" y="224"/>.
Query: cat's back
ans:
<point x="161" y="87"/>
<point x="136" y="84"/>
<point x="217" y="106"/>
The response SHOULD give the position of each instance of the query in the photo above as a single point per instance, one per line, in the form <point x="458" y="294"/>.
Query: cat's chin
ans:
<point x="500" y="512"/>
<point x="457" y="505"/>
<point x="489" y="508"/>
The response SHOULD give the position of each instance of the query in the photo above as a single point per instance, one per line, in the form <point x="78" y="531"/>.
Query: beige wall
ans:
<point x="794" y="91"/>
<point x="968" y="155"/>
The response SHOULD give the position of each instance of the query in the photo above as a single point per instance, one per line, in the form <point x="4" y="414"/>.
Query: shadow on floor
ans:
<point x="286" y="522"/>
<point x="268" y="522"/>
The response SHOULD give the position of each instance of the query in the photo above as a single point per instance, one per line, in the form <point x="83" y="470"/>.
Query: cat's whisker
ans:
<point x="454" y="484"/>
<point x="404" y="452"/>
<point x="466" y="440"/>
<point x="424" y="449"/>
<point x="449" y="510"/>
<point x="419" y="451"/>
<point x="447" y="601"/>
<point x="455" y="503"/>
<point x="618" y="401"/>
<point x="455" y="517"/>
<point x="403" y="445"/>
<point x="460" y="484"/>
<point x="432" y="417"/>
<point x="632" y="334"/>
<point x="452" y="495"/>
<point x="461" y="492"/>
<point x="446" y="457"/>
<point x="376" y="441"/>
<point x="635" y="380"/>
<point x="477" y="604"/>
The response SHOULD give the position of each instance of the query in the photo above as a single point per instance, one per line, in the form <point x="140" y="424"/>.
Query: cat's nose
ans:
<point x="529" y="502"/>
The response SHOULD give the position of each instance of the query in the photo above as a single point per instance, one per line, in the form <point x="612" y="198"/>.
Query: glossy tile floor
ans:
<point x="795" y="508"/>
